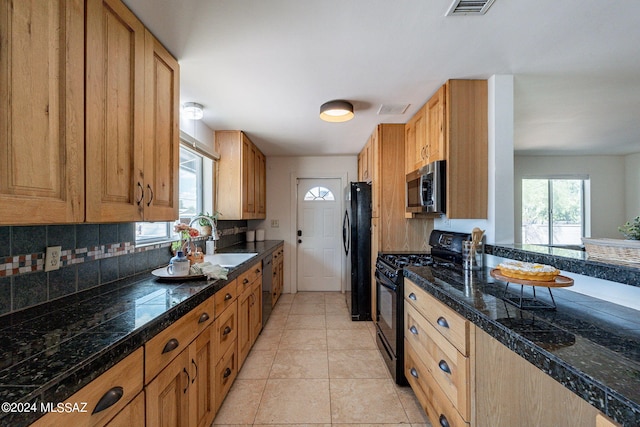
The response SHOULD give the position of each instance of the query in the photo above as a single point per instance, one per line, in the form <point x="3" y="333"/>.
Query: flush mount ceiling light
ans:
<point x="193" y="110"/>
<point x="336" y="111"/>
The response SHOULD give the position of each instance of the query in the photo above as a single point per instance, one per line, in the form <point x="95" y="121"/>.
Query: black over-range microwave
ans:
<point x="426" y="189"/>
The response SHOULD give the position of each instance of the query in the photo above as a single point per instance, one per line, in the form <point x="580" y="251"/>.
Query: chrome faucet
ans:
<point x="214" y="230"/>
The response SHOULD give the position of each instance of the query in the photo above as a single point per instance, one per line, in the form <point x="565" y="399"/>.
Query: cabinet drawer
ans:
<point x="246" y="279"/>
<point x="164" y="347"/>
<point x="226" y="329"/>
<point x="226" y="296"/>
<point x="131" y="415"/>
<point x="226" y="372"/>
<point x="448" y="367"/>
<point x="439" y="409"/>
<point x="446" y="321"/>
<point x="111" y="391"/>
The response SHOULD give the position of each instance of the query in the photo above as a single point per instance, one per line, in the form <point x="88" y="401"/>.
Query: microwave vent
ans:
<point x="469" y="7"/>
<point x="392" y="108"/>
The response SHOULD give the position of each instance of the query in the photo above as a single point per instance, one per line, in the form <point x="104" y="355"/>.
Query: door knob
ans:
<point x="299" y="241"/>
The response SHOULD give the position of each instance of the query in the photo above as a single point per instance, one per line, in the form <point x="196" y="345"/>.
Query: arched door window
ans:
<point x="319" y="193"/>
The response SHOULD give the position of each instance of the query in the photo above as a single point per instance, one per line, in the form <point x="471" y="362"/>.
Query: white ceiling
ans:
<point x="266" y="66"/>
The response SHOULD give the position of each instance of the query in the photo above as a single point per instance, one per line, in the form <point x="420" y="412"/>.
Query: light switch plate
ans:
<point x="52" y="258"/>
<point x="275" y="223"/>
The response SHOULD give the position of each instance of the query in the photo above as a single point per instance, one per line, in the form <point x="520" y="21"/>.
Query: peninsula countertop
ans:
<point x="590" y="346"/>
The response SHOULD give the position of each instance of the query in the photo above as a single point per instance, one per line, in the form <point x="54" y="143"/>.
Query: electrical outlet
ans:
<point x="275" y="223"/>
<point x="52" y="258"/>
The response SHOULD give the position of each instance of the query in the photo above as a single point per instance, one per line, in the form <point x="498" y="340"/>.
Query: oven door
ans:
<point x="387" y="315"/>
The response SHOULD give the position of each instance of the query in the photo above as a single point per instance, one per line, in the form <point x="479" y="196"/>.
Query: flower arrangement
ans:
<point x="631" y="230"/>
<point x="186" y="233"/>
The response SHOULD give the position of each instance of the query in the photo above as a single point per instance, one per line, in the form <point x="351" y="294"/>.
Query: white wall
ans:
<point x="632" y="185"/>
<point x="607" y="177"/>
<point x="281" y="197"/>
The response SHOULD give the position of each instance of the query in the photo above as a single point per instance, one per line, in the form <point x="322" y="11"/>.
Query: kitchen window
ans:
<point x="195" y="195"/>
<point x="553" y="210"/>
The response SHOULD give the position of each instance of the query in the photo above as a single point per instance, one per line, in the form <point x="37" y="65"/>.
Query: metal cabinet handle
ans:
<point x="141" y="194"/>
<point x="413" y="297"/>
<point x="188" y="379"/>
<point x="413" y="330"/>
<point x="227" y="297"/>
<point x="109" y="399"/>
<point x="203" y="318"/>
<point x="227" y="373"/>
<point x="226" y="331"/>
<point x="443" y="322"/>
<point x="244" y="282"/>
<point x="257" y="270"/>
<point x="171" y="345"/>
<point x="150" y="198"/>
<point x="193" y="362"/>
<point x="444" y="367"/>
<point x="443" y="421"/>
<point x="414" y="372"/>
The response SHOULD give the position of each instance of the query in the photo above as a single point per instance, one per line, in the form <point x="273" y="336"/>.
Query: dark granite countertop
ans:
<point x="590" y="346"/>
<point x="571" y="260"/>
<point x="51" y="351"/>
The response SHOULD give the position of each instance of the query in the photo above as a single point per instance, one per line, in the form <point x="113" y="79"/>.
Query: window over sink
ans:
<point x="196" y="194"/>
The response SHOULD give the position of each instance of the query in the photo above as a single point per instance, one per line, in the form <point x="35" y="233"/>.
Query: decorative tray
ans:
<point x="560" y="282"/>
<point x="162" y="273"/>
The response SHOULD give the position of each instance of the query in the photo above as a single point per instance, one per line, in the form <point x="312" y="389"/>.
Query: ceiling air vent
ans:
<point x="469" y="7"/>
<point x="393" y="108"/>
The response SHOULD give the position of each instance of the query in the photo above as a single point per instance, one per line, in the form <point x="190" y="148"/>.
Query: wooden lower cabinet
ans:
<point x="183" y="393"/>
<point x="131" y="415"/>
<point x="226" y="372"/>
<point x="249" y="318"/>
<point x="512" y="392"/>
<point x="112" y="391"/>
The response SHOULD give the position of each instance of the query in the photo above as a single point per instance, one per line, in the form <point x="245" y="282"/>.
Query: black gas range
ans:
<point x="446" y="252"/>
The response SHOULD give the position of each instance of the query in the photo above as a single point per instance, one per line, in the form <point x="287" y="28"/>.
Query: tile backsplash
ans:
<point x="92" y="255"/>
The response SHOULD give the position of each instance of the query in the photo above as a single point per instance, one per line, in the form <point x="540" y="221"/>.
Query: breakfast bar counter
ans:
<point x="590" y="346"/>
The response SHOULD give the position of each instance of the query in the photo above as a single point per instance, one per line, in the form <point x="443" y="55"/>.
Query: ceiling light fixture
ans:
<point x="193" y="110"/>
<point x="336" y="111"/>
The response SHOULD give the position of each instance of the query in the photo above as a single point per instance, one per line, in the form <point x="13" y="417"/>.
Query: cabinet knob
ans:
<point x="227" y="373"/>
<point x="109" y="399"/>
<point x="413" y="330"/>
<point x="443" y="421"/>
<point x="244" y="282"/>
<point x="227" y="330"/>
<point x="203" y="318"/>
<point x="413" y="297"/>
<point x="227" y="297"/>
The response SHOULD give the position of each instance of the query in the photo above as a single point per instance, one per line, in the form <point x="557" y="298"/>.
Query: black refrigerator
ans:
<point x="356" y="236"/>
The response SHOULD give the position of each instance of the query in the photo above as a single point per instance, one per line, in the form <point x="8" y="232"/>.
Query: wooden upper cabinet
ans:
<point x="115" y="112"/>
<point x="161" y="142"/>
<point x="42" y="120"/>
<point x="452" y="126"/>
<point x="435" y="126"/>
<point x="241" y="177"/>
<point x="365" y="163"/>
<point x="132" y="95"/>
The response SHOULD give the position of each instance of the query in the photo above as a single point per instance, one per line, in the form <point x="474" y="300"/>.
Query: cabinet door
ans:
<point x="248" y="178"/>
<point x="436" y="126"/>
<point x="255" y="317"/>
<point x="168" y="395"/>
<point x="422" y="143"/>
<point x="161" y="142"/>
<point x="131" y="415"/>
<point x="261" y="186"/>
<point x="203" y="370"/>
<point x="42" y="120"/>
<point x="374" y="171"/>
<point x="114" y="112"/>
<point x="244" y="330"/>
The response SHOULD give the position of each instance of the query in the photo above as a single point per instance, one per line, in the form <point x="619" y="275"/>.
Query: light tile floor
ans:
<point x="312" y="365"/>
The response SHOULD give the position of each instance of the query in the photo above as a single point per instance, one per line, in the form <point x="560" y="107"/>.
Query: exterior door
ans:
<point x="319" y="240"/>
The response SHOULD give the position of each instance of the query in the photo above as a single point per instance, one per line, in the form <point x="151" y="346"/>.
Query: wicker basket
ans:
<point x="627" y="251"/>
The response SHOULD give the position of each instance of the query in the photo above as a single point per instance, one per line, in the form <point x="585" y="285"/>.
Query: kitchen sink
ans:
<point x="229" y="259"/>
